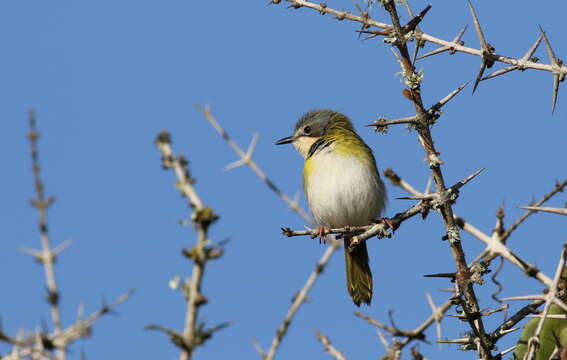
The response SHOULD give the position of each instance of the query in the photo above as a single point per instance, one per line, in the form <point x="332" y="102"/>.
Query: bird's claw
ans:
<point x="388" y="223"/>
<point x="322" y="232"/>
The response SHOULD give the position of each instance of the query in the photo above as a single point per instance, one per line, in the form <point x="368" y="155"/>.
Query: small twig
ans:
<point x="246" y="159"/>
<point x="82" y="327"/>
<point x="202" y="217"/>
<point x="559" y="187"/>
<point x="450" y="49"/>
<point x="258" y="348"/>
<point x="550" y="316"/>
<point x="300" y="298"/>
<point x="410" y="335"/>
<point x="41" y="203"/>
<point x="382" y="123"/>
<point x="329" y="348"/>
<point x="437" y="316"/>
<point x="392" y="330"/>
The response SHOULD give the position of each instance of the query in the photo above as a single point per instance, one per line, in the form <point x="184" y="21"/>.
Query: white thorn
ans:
<point x="247" y="158"/>
<point x="80" y="311"/>
<point x="294" y="204"/>
<point x="436" y="316"/>
<point x="30" y="251"/>
<point x="65" y="244"/>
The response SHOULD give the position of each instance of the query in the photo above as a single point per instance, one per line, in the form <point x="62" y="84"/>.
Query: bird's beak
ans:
<point x="286" y="140"/>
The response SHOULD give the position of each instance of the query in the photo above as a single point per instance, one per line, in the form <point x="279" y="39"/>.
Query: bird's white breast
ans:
<point x="343" y="190"/>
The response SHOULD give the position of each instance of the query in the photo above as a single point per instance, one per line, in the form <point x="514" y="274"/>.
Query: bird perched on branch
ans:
<point x="342" y="185"/>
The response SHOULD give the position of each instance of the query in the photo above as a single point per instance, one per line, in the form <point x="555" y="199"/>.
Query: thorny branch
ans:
<point x="463" y="283"/>
<point x="394" y="350"/>
<point x="398" y="35"/>
<point x="194" y="334"/>
<point x="486" y="52"/>
<point x="496" y="247"/>
<point x="496" y="243"/>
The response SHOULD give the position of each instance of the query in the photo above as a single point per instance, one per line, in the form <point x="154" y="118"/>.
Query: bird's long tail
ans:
<point x="359" y="276"/>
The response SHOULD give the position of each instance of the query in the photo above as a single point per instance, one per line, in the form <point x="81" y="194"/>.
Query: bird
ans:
<point x="342" y="186"/>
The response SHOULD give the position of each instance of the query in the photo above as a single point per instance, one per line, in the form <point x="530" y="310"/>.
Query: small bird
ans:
<point x="342" y="185"/>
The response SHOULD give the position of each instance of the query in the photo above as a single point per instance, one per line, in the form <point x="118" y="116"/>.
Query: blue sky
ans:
<point x="105" y="77"/>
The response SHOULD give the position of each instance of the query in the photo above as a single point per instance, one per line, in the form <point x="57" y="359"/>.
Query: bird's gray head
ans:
<point x="308" y="129"/>
<point x="314" y="123"/>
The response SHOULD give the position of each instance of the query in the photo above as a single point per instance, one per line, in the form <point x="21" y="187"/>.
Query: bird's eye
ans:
<point x="307" y="130"/>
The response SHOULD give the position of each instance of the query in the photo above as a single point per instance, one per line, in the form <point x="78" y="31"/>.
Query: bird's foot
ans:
<point x="388" y="223"/>
<point x="322" y="232"/>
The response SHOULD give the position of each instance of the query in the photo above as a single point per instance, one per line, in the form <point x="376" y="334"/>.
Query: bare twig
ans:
<point x="381" y="124"/>
<point x="246" y="159"/>
<point x="559" y="187"/>
<point x="329" y="348"/>
<point x="82" y="327"/>
<point x="47" y="257"/>
<point x="410" y="335"/>
<point x="450" y="49"/>
<point x="194" y="334"/>
<point x="437" y="316"/>
<point x="300" y="298"/>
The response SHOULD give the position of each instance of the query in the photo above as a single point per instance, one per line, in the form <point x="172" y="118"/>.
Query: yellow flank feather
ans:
<point x="307" y="168"/>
